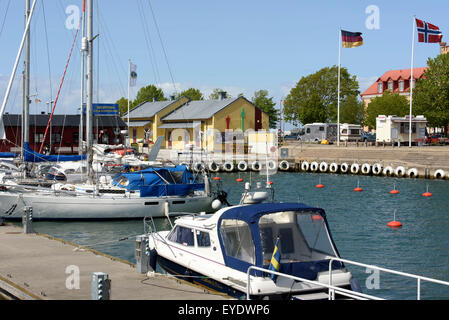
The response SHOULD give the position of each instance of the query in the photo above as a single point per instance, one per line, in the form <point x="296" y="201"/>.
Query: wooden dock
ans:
<point x="40" y="267"/>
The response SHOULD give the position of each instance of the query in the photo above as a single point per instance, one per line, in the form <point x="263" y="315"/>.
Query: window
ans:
<point x="405" y="126"/>
<point x="75" y="137"/>
<point x="390" y="85"/>
<point x="202" y="239"/>
<point x="355" y="131"/>
<point x="182" y="235"/>
<point x="401" y="85"/>
<point x="321" y="129"/>
<point x="237" y="240"/>
<point x="38" y="137"/>
<point x="344" y="131"/>
<point x="380" y="87"/>
<point x="308" y="130"/>
<point x="56" y="138"/>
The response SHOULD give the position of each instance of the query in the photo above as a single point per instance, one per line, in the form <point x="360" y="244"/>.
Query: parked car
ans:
<point x="368" y="136"/>
<point x="293" y="136"/>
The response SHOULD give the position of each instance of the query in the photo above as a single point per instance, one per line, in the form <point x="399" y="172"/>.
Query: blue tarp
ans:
<point x="8" y="155"/>
<point x="32" y="156"/>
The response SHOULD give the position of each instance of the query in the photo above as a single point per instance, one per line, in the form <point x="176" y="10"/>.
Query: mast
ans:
<point x="26" y="80"/>
<point x="84" y="48"/>
<point x="89" y="88"/>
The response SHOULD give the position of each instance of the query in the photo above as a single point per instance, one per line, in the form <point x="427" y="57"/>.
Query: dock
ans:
<point x="40" y="267"/>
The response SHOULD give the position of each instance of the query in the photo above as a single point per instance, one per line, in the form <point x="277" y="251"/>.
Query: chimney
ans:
<point x="222" y="95"/>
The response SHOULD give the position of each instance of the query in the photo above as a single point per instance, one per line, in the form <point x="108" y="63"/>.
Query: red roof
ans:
<point x="395" y="75"/>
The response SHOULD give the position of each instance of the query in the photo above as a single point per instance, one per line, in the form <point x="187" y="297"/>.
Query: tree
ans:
<point x="314" y="99"/>
<point x="431" y="95"/>
<point x="215" y="94"/>
<point x="266" y="104"/>
<point x="192" y="94"/>
<point x="387" y="104"/>
<point x="123" y="106"/>
<point x="352" y="110"/>
<point x="148" y="94"/>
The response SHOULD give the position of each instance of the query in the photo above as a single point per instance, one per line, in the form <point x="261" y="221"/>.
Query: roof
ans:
<point x="199" y="109"/>
<point x="149" y="109"/>
<point x="178" y="125"/>
<point x="62" y="120"/>
<point x="139" y="123"/>
<point x="395" y="75"/>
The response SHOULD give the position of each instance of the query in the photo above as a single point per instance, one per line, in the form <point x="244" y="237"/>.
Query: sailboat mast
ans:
<point x="89" y="100"/>
<point x="26" y="82"/>
<point x="84" y="47"/>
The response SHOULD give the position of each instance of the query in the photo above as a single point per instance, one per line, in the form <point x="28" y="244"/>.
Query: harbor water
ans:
<point x="358" y="223"/>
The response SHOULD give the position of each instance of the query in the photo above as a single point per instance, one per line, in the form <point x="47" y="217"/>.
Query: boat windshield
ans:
<point x="302" y="236"/>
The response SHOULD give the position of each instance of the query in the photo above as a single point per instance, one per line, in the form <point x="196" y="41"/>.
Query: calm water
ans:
<point x="358" y="222"/>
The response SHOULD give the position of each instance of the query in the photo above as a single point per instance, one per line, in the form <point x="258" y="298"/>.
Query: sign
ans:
<point x="103" y="109"/>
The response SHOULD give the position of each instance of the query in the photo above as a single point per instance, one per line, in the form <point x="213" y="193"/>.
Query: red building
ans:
<point x="64" y="132"/>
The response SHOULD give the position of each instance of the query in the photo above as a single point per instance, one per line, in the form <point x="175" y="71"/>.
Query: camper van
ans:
<point x="391" y="129"/>
<point x="350" y="132"/>
<point x="317" y="132"/>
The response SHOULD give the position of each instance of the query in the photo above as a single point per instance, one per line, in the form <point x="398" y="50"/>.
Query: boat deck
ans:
<point x="38" y="266"/>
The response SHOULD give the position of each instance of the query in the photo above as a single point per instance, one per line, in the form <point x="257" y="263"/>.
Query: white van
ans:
<point x="350" y="132"/>
<point x="317" y="132"/>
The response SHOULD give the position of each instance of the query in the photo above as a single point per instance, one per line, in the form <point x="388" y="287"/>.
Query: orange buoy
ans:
<point x="317" y="217"/>
<point x="427" y="194"/>
<point x="394" y="191"/>
<point x="216" y="178"/>
<point x="319" y="186"/>
<point x="394" y="224"/>
<point x="239" y="179"/>
<point x="269" y="182"/>
<point x="358" y="189"/>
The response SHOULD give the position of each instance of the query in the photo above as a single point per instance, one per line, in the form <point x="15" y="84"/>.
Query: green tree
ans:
<point x="387" y="104"/>
<point x="314" y="98"/>
<point x="431" y="95"/>
<point x="215" y="94"/>
<point x="192" y="94"/>
<point x="352" y="110"/>
<point x="148" y="94"/>
<point x="266" y="104"/>
<point x="123" y="106"/>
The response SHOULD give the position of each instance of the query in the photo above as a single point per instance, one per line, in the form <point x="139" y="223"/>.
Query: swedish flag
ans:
<point x="275" y="264"/>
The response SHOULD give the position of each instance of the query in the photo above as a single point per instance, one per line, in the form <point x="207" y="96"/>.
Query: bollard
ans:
<point x="27" y="220"/>
<point x="100" y="286"/>
<point x="399" y="143"/>
<point x="142" y="254"/>
<point x="346" y="143"/>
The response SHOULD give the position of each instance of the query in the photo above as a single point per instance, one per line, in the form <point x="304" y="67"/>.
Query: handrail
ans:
<point x="409" y="275"/>
<point x="341" y="291"/>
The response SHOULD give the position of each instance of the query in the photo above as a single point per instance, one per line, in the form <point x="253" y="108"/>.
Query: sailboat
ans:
<point x="95" y="200"/>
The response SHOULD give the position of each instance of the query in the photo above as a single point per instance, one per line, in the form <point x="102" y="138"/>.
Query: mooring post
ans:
<point x="141" y="253"/>
<point x="27" y="220"/>
<point x="100" y="286"/>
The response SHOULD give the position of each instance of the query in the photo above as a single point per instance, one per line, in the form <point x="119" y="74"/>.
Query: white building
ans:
<point x="391" y="129"/>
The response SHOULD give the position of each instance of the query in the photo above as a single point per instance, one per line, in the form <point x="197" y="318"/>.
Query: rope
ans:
<point x="59" y="90"/>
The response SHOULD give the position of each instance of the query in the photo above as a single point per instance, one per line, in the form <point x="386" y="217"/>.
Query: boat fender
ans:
<point x="377" y="169"/>
<point x="255" y="166"/>
<point x="439" y="174"/>
<point x="284" y="165"/>
<point x="355" y="168"/>
<point x="388" y="171"/>
<point x="216" y="204"/>
<point x="400" y="171"/>
<point x="366" y="168"/>
<point x="153" y="259"/>
<point x="213" y="166"/>
<point x="271" y="164"/>
<point x="305" y="166"/>
<point x="228" y="166"/>
<point x="314" y="166"/>
<point x="242" y="166"/>
<point x="412" y="173"/>
<point x="333" y="167"/>
<point x="344" y="167"/>
<point x="323" y="166"/>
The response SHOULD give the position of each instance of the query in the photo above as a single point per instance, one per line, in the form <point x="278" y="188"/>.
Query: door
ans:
<point x="258" y="119"/>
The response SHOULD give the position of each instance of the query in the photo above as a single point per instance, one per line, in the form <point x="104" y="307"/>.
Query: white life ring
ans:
<point x="377" y="169"/>
<point x="272" y="165"/>
<point x="400" y="171"/>
<point x="366" y="168"/>
<point x="388" y="171"/>
<point x="323" y="166"/>
<point x="284" y="165"/>
<point x="228" y="166"/>
<point x="344" y="167"/>
<point x="305" y="166"/>
<point x="314" y="166"/>
<point x="355" y="167"/>
<point x="213" y="166"/>
<point x="333" y="167"/>
<point x="255" y="166"/>
<point x="439" y="174"/>
<point x="242" y="166"/>
<point x="412" y="173"/>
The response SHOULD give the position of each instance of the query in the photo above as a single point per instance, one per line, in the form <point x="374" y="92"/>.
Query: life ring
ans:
<point x="255" y="166"/>
<point x="366" y="168"/>
<point x="228" y="166"/>
<point x="314" y="166"/>
<point x="355" y="167"/>
<point x="377" y="169"/>
<point x="333" y="167"/>
<point x="344" y="167"/>
<point x="272" y="165"/>
<point x="198" y="166"/>
<point x="213" y="166"/>
<point x="305" y="166"/>
<point x="242" y="166"/>
<point x="323" y="166"/>
<point x="439" y="174"/>
<point x="412" y="173"/>
<point x="388" y="171"/>
<point x="400" y="171"/>
<point x="284" y="165"/>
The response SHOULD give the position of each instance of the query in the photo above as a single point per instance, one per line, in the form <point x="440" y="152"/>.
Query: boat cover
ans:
<point x="251" y="215"/>
<point x="8" y="155"/>
<point x="32" y="156"/>
<point x="156" y="182"/>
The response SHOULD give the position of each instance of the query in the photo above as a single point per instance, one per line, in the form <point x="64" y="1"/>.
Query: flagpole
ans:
<point x="338" y="86"/>
<point x="411" y="84"/>
<point x="129" y="83"/>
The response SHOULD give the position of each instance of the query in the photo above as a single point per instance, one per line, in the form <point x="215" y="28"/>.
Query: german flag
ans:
<point x="351" y="39"/>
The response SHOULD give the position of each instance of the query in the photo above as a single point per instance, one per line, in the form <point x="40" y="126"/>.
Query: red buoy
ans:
<point x="358" y="189"/>
<point x="427" y="194"/>
<point x="317" y="217"/>
<point x="239" y="179"/>
<point x="394" y="224"/>
<point x="319" y="186"/>
<point x="269" y="182"/>
<point x="394" y="191"/>
<point x="217" y="178"/>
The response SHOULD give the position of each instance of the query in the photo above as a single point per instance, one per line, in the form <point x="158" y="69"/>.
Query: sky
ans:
<point x="238" y="46"/>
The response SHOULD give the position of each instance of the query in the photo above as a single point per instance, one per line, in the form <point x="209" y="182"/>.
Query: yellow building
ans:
<point x="444" y="48"/>
<point x="145" y="119"/>
<point x="204" y="123"/>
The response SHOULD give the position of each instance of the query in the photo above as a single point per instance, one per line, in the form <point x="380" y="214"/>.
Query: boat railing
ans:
<point x="332" y="289"/>
<point x="372" y="267"/>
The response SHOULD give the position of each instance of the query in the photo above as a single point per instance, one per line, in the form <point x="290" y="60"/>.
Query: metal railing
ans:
<point x="332" y="289"/>
<point x="404" y="274"/>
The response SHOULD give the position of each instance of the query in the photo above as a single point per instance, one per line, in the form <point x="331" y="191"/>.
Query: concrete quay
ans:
<point x="40" y="267"/>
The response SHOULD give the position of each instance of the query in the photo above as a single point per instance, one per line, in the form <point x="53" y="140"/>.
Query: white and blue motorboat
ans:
<point x="216" y="250"/>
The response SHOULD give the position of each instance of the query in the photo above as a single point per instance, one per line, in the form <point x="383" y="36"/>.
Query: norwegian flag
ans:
<point x="428" y="32"/>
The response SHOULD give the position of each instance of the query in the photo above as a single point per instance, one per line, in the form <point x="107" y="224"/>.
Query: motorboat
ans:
<point x="216" y="250"/>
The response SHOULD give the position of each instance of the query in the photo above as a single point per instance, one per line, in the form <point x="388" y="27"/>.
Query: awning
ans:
<point x="179" y="125"/>
<point x="139" y="123"/>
